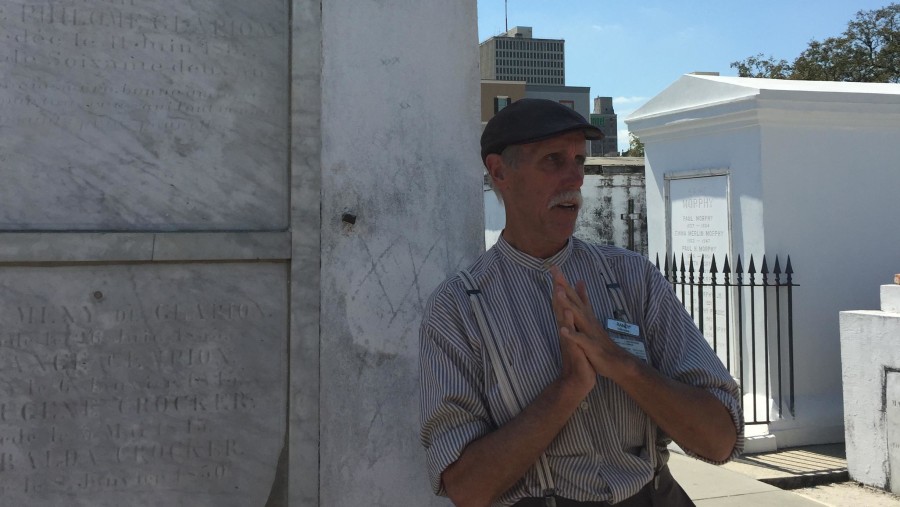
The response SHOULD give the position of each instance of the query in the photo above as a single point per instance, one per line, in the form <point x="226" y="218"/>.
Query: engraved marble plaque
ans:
<point x="144" y="115"/>
<point x="700" y="221"/>
<point x="892" y="426"/>
<point x="142" y="385"/>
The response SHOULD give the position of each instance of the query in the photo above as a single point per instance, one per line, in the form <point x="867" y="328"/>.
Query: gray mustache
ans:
<point x="572" y="196"/>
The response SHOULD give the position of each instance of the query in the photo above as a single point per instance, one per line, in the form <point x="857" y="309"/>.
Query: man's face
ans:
<point x="542" y="194"/>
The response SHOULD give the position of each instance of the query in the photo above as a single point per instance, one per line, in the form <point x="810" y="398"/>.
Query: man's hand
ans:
<point x="579" y="327"/>
<point x="492" y="464"/>
<point x="690" y="415"/>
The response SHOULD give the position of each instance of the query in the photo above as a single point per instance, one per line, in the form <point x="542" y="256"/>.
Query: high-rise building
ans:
<point x="516" y="56"/>
<point x="604" y="117"/>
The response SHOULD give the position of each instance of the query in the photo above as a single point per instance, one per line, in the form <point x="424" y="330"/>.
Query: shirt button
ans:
<point x="584" y="406"/>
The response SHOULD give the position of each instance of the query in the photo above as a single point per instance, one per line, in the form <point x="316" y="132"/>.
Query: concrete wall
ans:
<point x="606" y="199"/>
<point x="835" y="237"/>
<point x="869" y="355"/>
<point x="735" y="150"/>
<point x="229" y="245"/>
<point x="399" y="133"/>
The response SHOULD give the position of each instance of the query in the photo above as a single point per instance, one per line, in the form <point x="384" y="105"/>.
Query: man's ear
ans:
<point x="495" y="168"/>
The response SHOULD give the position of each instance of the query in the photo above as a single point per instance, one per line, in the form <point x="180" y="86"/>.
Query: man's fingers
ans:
<point x="569" y="318"/>
<point x="560" y="282"/>
<point x="574" y="337"/>
<point x="581" y="289"/>
<point x="568" y="298"/>
<point x="572" y="306"/>
<point x="560" y="307"/>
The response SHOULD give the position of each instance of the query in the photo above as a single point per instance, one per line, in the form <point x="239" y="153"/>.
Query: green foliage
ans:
<point x="762" y="66"/>
<point x="867" y="51"/>
<point x="635" y="146"/>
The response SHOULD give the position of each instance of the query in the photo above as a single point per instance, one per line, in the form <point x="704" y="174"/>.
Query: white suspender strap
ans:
<point x="510" y="389"/>
<point x="620" y="309"/>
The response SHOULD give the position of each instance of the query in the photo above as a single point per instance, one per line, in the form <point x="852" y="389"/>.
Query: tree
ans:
<point x="635" y="146"/>
<point x="762" y="66"/>
<point x="867" y="51"/>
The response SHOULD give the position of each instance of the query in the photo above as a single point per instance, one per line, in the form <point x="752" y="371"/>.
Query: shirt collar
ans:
<point x="512" y="254"/>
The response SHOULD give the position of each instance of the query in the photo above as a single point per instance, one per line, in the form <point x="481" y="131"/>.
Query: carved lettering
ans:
<point x="180" y="81"/>
<point x="51" y="315"/>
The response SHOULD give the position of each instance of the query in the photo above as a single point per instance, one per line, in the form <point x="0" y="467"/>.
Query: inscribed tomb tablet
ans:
<point x="700" y="220"/>
<point x="892" y="426"/>
<point x="142" y="385"/>
<point x="143" y="115"/>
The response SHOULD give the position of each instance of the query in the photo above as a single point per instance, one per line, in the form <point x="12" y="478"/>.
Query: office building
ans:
<point x="516" y="56"/>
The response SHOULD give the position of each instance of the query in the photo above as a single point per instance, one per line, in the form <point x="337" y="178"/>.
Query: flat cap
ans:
<point x="531" y="120"/>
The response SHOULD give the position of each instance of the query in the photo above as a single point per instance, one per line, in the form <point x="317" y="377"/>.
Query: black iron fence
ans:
<point x="747" y="317"/>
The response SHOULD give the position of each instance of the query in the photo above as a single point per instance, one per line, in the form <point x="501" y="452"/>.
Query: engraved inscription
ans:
<point x="167" y="390"/>
<point x="166" y="89"/>
<point x="699" y="219"/>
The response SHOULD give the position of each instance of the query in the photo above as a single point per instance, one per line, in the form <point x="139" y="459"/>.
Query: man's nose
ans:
<point x="575" y="173"/>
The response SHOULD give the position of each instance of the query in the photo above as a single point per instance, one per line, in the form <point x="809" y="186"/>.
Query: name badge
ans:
<point x="627" y="336"/>
<point x="623" y="327"/>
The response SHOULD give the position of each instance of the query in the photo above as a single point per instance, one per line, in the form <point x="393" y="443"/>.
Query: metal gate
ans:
<point x="746" y="316"/>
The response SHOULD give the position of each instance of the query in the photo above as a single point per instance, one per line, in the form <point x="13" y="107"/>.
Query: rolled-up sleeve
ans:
<point x="681" y="352"/>
<point x="453" y="408"/>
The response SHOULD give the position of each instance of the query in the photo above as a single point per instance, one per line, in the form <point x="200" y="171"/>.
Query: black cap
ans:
<point x="531" y="120"/>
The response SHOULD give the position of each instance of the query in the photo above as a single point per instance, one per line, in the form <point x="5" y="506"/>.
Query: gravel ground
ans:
<point x="849" y="494"/>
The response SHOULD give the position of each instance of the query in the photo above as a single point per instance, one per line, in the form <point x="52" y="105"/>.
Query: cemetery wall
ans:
<point x="218" y="226"/>
<point x="871" y="385"/>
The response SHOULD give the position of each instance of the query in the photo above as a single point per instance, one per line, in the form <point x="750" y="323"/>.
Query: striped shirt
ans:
<point x="601" y="453"/>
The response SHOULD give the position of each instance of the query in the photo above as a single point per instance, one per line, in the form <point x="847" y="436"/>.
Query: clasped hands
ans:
<point x="586" y="349"/>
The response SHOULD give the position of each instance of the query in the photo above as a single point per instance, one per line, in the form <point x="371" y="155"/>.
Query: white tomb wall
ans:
<point x="400" y="127"/>
<point x="869" y="355"/>
<point x="813" y="177"/>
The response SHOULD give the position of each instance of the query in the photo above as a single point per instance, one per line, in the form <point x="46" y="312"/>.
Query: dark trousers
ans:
<point x="664" y="492"/>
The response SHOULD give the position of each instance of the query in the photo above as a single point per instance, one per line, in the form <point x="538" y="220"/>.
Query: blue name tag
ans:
<point x="623" y="327"/>
<point x="627" y="336"/>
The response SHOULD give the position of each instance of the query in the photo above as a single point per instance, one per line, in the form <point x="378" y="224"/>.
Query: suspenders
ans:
<point x="511" y="391"/>
<point x="618" y="301"/>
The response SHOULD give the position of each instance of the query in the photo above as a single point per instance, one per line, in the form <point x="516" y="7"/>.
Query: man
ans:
<point x="595" y="418"/>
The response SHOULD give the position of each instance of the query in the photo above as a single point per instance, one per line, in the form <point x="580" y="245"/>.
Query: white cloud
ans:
<point x="617" y="101"/>
<point x="623" y="141"/>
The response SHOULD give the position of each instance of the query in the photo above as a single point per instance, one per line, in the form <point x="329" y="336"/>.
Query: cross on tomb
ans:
<point x="631" y="217"/>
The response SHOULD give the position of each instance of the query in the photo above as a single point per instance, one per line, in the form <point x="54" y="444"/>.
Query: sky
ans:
<point x="631" y="51"/>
